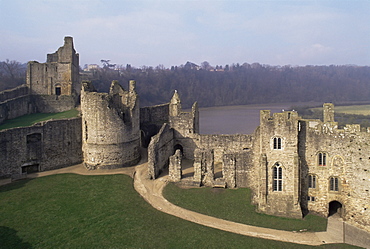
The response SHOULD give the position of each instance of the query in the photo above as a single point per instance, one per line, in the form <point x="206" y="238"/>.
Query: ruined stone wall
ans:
<point x="278" y="191"/>
<point x="151" y="120"/>
<point x="14" y="103"/>
<point x="110" y="125"/>
<point x="53" y="103"/>
<point x="59" y="75"/>
<point x="13" y="93"/>
<point x="347" y="158"/>
<point x="161" y="147"/>
<point x="174" y="170"/>
<point x="44" y="146"/>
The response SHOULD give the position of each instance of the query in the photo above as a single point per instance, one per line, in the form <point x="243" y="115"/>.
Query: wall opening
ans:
<point x="58" y="90"/>
<point x="335" y="207"/>
<point x="34" y="146"/>
<point x="33" y="168"/>
<point x="178" y="147"/>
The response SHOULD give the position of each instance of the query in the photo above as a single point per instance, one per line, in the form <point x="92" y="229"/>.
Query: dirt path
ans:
<point x="151" y="191"/>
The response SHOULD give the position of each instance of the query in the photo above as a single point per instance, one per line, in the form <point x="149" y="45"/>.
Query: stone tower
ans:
<point x="328" y="112"/>
<point x="59" y="75"/>
<point x="111" y="128"/>
<point x="278" y="191"/>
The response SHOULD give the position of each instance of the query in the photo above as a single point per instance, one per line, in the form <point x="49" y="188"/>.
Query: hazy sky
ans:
<point x="171" y="32"/>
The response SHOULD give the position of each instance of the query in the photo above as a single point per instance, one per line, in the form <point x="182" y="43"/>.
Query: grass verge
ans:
<point x="73" y="211"/>
<point x="28" y="120"/>
<point x="235" y="205"/>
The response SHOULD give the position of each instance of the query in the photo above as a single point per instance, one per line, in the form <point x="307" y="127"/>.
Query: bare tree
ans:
<point x="12" y="69"/>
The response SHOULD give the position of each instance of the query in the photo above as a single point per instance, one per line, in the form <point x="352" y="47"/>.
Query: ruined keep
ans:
<point x="59" y="75"/>
<point x="292" y="165"/>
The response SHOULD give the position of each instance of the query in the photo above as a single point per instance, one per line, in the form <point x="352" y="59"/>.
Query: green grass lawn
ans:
<point x="28" y="120"/>
<point x="73" y="211"/>
<point x="235" y="205"/>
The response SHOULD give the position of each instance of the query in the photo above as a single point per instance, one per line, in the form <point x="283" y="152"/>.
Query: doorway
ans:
<point x="335" y="207"/>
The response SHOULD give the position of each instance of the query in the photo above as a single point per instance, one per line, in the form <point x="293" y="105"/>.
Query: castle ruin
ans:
<point x="292" y="165"/>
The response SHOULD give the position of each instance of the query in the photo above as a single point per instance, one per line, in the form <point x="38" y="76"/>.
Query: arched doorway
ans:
<point x="178" y="147"/>
<point x="335" y="207"/>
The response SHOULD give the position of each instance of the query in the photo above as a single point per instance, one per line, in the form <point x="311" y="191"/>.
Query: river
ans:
<point x="243" y="119"/>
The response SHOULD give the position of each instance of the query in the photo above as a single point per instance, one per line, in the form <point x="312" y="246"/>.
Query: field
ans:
<point x="28" y="120"/>
<point x="350" y="109"/>
<point x="73" y="211"/>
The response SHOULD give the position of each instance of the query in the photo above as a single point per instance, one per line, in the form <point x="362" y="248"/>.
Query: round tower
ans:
<point x="110" y="124"/>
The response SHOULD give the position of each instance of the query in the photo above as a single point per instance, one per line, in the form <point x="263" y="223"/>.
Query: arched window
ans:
<point x="277" y="177"/>
<point x="334" y="184"/>
<point x="311" y="181"/>
<point x="322" y="158"/>
<point x="277" y="143"/>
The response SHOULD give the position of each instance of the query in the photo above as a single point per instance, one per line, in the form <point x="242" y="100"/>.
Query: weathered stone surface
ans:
<point x="44" y="146"/>
<point x="160" y="148"/>
<point x="110" y="125"/>
<point x="175" y="171"/>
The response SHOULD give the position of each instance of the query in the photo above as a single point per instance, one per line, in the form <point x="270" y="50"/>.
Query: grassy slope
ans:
<point x="28" y="120"/>
<point x="72" y="211"/>
<point x="234" y="205"/>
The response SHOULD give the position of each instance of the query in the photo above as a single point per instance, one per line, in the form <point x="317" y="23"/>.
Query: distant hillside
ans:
<point x="245" y="84"/>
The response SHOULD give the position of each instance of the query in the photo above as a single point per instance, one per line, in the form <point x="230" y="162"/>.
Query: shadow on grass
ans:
<point x="15" y="185"/>
<point x="9" y="239"/>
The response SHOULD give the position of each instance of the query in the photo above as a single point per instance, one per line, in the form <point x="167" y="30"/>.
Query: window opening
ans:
<point x="311" y="181"/>
<point x="334" y="184"/>
<point x="277" y="177"/>
<point x="322" y="159"/>
<point x="277" y="143"/>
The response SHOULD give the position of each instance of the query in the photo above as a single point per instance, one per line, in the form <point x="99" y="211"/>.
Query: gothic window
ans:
<point x="277" y="177"/>
<point x="311" y="181"/>
<point x="322" y="158"/>
<point x="277" y="143"/>
<point x="334" y="184"/>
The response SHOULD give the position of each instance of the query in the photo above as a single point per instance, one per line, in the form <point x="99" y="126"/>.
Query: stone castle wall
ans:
<point x="347" y="159"/>
<point x="110" y="125"/>
<point x="44" y="146"/>
<point x="14" y="103"/>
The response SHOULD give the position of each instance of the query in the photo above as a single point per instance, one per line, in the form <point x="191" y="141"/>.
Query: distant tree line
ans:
<point x="243" y="84"/>
<point x="223" y="85"/>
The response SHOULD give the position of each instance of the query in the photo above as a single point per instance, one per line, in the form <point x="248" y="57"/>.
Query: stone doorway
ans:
<point x="335" y="208"/>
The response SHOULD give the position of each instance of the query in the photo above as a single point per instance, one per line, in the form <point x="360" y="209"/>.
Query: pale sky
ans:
<point x="172" y="32"/>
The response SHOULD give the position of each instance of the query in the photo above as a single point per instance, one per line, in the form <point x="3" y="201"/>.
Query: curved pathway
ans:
<point x="151" y="191"/>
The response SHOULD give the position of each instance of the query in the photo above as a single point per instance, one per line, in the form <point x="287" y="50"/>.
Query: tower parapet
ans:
<point x="110" y="123"/>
